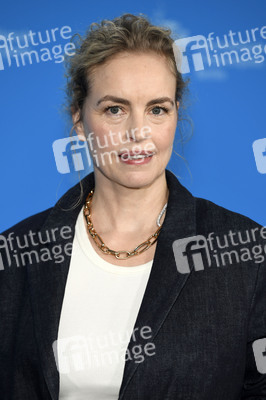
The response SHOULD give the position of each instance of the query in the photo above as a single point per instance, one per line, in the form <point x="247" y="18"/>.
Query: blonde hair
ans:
<point x="128" y="33"/>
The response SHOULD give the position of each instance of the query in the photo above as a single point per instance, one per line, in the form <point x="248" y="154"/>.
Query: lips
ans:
<point x="131" y="155"/>
<point x="136" y="158"/>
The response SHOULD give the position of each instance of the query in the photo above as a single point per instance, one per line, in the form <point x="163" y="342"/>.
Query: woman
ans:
<point x="144" y="306"/>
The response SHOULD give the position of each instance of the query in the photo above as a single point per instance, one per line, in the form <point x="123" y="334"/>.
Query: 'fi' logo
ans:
<point x="5" y="47"/>
<point x="71" y="354"/>
<point x="70" y="152"/>
<point x="195" y="53"/>
<point x="6" y="256"/>
<point x="259" y="350"/>
<point x="259" y="150"/>
<point x="191" y="253"/>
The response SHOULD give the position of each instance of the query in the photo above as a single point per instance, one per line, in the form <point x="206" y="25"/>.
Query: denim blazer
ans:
<point x="204" y="304"/>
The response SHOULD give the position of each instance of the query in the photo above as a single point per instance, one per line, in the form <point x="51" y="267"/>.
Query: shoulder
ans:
<point x="68" y="203"/>
<point x="34" y="221"/>
<point x="220" y="218"/>
<point x="10" y="247"/>
<point x="207" y="213"/>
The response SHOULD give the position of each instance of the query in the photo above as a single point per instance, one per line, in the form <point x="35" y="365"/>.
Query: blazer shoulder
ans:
<point x="220" y="217"/>
<point x="32" y="222"/>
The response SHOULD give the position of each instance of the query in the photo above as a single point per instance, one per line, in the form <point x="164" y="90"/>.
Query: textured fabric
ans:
<point x="203" y="321"/>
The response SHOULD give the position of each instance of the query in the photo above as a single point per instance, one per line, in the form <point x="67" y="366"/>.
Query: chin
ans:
<point x="133" y="177"/>
<point x="139" y="179"/>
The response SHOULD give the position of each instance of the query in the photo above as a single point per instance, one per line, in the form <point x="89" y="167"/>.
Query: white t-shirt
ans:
<point x="99" y="311"/>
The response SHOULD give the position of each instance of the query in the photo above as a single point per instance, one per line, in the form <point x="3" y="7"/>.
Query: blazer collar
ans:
<point x="47" y="281"/>
<point x="164" y="284"/>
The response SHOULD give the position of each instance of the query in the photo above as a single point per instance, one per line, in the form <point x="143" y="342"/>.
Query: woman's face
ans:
<point x="129" y="118"/>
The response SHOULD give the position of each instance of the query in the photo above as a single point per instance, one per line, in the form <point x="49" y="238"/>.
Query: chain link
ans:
<point x="121" y="254"/>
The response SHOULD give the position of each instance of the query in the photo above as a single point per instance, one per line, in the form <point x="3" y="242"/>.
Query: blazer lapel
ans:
<point x="164" y="284"/>
<point x="47" y="279"/>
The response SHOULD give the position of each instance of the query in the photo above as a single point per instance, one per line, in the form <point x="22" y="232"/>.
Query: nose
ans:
<point x="135" y="126"/>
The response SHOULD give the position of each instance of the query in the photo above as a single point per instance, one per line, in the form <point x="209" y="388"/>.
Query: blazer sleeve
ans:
<point x="255" y="374"/>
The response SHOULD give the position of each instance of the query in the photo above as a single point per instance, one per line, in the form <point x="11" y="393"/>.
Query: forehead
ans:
<point x="134" y="75"/>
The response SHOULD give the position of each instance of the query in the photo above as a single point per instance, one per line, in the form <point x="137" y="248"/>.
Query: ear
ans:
<point x="78" y="125"/>
<point x="177" y="109"/>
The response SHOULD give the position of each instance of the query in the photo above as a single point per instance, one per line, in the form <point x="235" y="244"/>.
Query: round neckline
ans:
<point x="92" y="255"/>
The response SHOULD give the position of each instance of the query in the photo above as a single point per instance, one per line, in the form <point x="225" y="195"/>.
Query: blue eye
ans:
<point x="157" y="110"/>
<point x="113" y="109"/>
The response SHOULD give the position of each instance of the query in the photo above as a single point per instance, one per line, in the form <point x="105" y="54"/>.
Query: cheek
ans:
<point x="164" y="138"/>
<point x="99" y="128"/>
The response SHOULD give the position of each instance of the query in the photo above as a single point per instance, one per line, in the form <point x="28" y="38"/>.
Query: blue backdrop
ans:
<point x="224" y="52"/>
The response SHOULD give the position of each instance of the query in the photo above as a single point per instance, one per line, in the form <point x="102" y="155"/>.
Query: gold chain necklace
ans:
<point x="121" y="254"/>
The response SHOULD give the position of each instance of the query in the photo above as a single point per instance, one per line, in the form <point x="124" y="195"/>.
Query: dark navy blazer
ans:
<point x="203" y="318"/>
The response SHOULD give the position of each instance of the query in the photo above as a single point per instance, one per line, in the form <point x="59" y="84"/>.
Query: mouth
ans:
<point x="133" y="158"/>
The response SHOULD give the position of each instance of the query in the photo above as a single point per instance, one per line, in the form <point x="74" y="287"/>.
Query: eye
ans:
<point x="113" y="110"/>
<point x="158" y="110"/>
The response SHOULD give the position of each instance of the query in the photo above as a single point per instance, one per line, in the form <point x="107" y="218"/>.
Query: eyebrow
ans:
<point x="120" y="100"/>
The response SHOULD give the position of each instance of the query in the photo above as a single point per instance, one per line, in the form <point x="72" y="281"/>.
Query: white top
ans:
<point x="99" y="311"/>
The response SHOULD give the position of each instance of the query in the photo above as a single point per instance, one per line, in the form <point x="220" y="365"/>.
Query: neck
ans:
<point x="122" y="209"/>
